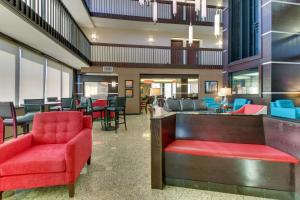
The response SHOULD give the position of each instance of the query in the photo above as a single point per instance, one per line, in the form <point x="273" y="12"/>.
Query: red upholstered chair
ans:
<point x="251" y="109"/>
<point x="1" y="131"/>
<point x="101" y="102"/>
<point x="54" y="153"/>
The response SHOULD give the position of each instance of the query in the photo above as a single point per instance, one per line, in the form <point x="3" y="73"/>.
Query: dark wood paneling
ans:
<point x="220" y="128"/>
<point x="283" y="135"/>
<point x="243" y="172"/>
<point x="162" y="134"/>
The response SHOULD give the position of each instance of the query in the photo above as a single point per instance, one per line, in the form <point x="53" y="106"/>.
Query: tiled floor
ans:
<point x="120" y="170"/>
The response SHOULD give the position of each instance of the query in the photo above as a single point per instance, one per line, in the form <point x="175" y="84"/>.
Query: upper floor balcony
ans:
<point x="54" y="20"/>
<point x="155" y="56"/>
<point x="131" y="10"/>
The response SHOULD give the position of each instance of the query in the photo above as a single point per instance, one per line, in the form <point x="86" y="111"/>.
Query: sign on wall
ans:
<point x="108" y="69"/>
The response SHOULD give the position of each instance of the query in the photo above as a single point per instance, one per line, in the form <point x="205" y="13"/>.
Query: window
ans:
<point x="53" y="83"/>
<point x="31" y="76"/>
<point x="96" y="90"/>
<point x="67" y="82"/>
<point x="244" y="29"/>
<point x="8" y="55"/>
<point x="245" y="82"/>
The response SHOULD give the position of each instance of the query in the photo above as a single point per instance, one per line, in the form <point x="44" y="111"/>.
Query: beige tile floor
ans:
<point x="120" y="170"/>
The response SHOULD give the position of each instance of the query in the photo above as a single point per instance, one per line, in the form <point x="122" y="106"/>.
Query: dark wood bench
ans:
<point x="243" y="150"/>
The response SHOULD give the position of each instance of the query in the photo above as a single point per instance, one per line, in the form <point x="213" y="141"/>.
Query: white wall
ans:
<point x="141" y="37"/>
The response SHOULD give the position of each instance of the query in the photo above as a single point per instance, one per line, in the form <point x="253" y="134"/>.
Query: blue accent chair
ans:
<point x="285" y="108"/>
<point x="210" y="103"/>
<point x="240" y="102"/>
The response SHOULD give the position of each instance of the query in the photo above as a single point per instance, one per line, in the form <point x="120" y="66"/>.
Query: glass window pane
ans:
<point x="67" y="82"/>
<point x="31" y="76"/>
<point x="245" y="82"/>
<point x="53" y="83"/>
<point x="96" y="90"/>
<point x="8" y="54"/>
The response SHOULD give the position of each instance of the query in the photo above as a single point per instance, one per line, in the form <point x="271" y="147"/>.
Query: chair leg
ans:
<point x="89" y="161"/>
<point x="116" y="121"/>
<point x="124" y="115"/>
<point x="71" y="189"/>
<point x="1" y="195"/>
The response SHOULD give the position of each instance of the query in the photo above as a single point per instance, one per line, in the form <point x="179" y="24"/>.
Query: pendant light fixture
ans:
<point x="191" y="34"/>
<point x="197" y="6"/>
<point x="174" y="7"/>
<point x="217" y="24"/>
<point x="191" y="29"/>
<point x="142" y="2"/>
<point x="155" y="11"/>
<point x="203" y="9"/>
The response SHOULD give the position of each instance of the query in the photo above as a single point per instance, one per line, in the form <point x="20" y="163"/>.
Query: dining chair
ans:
<point x="118" y="106"/>
<point x="8" y="114"/>
<point x="67" y="104"/>
<point x="34" y="105"/>
<point x="53" y="107"/>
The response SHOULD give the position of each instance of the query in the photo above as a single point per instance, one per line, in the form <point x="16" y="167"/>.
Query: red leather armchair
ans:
<point x="54" y="153"/>
<point x="1" y="131"/>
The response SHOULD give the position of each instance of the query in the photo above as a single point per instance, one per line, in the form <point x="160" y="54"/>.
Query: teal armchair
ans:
<point x="240" y="102"/>
<point x="285" y="108"/>
<point x="210" y="103"/>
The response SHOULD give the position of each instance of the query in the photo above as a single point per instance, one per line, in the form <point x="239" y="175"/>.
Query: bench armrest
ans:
<point x="15" y="146"/>
<point x="78" y="151"/>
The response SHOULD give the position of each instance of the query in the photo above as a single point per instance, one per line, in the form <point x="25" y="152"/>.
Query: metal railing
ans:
<point x="54" y="18"/>
<point x="131" y="10"/>
<point x="103" y="53"/>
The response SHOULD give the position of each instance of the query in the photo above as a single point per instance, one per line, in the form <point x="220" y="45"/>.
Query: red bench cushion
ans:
<point x="229" y="150"/>
<point x="36" y="160"/>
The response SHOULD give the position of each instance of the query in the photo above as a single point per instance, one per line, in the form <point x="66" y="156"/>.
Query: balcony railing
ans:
<point x="131" y="55"/>
<point x="131" y="10"/>
<point x="55" y="19"/>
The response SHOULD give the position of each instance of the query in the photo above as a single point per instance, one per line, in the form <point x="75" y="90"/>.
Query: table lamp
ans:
<point x="224" y="92"/>
<point x="155" y="92"/>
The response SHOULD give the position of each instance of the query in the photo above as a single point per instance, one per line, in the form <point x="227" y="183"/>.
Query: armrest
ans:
<point x="78" y="151"/>
<point x="15" y="146"/>
<point x="87" y="122"/>
<point x="162" y="134"/>
<point x="239" y="111"/>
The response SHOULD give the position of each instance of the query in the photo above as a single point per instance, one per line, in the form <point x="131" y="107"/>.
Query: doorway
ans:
<point x="177" y="52"/>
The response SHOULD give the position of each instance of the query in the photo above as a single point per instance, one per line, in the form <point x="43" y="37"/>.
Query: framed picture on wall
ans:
<point x="129" y="93"/>
<point x="129" y="84"/>
<point x="211" y="87"/>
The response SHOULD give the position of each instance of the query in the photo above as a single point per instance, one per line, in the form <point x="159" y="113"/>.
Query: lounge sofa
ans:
<point x="240" y="102"/>
<point x="54" y="153"/>
<point x="285" y="108"/>
<point x="182" y="105"/>
<point x="251" y="109"/>
<point x="222" y="149"/>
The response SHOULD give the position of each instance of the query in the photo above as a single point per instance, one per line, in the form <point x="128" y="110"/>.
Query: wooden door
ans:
<point x="192" y="53"/>
<point x="176" y="52"/>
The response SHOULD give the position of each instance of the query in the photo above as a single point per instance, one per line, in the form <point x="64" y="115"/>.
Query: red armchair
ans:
<point x="1" y="131"/>
<point x="54" y="153"/>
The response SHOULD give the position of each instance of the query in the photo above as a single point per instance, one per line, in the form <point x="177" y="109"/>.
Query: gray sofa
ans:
<point x="182" y="105"/>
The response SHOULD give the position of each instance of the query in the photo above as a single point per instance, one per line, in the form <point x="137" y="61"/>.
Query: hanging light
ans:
<point x="174" y="7"/>
<point x="217" y="24"/>
<point x="155" y="7"/>
<point x="197" y="6"/>
<point x="203" y="8"/>
<point x="142" y="2"/>
<point x="191" y="34"/>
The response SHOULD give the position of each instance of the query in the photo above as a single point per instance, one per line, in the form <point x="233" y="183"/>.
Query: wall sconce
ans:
<point x="113" y="84"/>
<point x="94" y="37"/>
